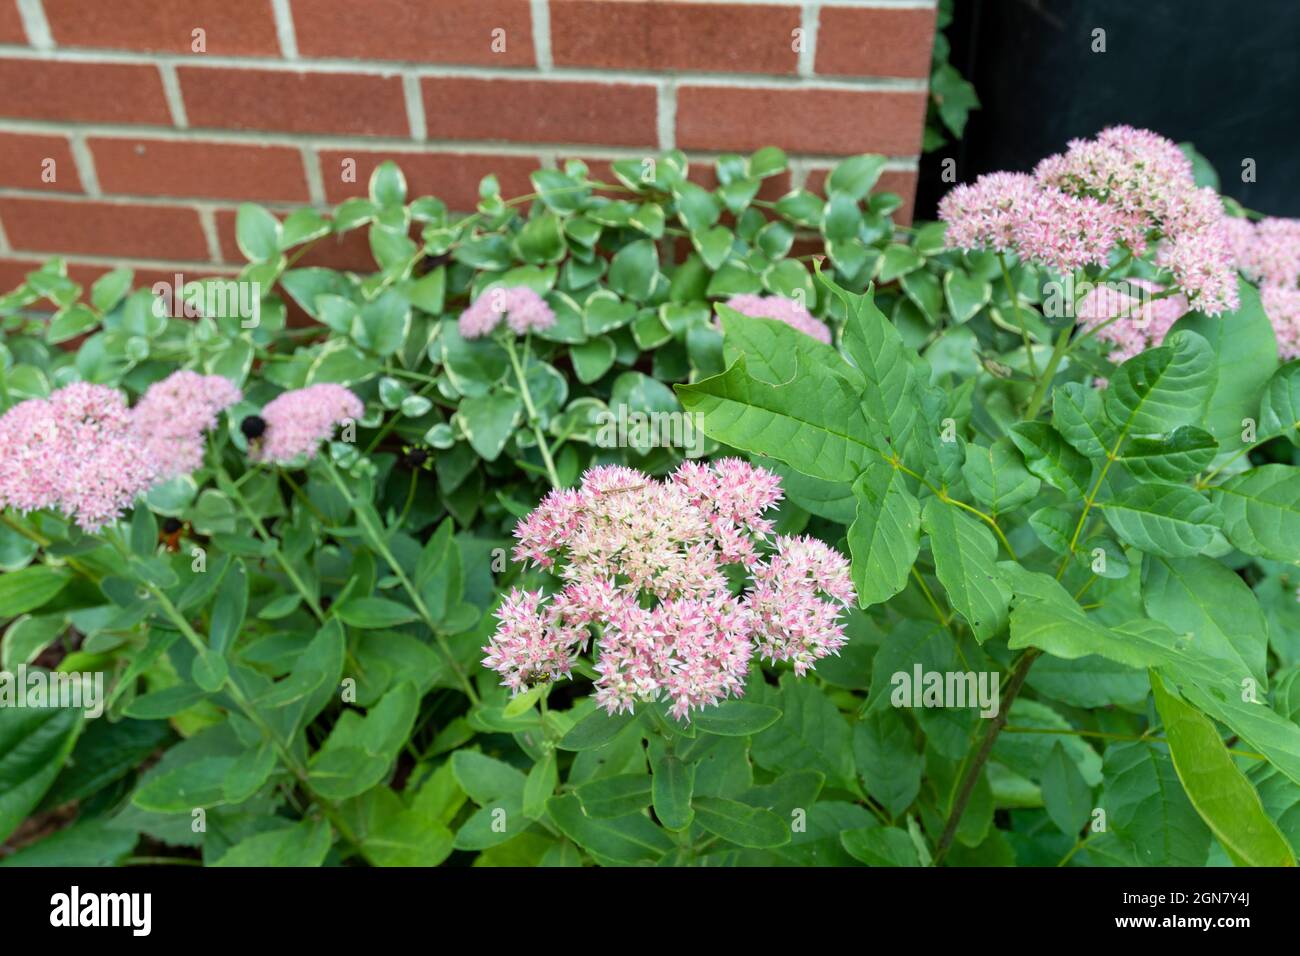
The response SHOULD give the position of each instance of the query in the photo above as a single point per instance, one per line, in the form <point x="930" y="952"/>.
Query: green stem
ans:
<point x="1053" y="363"/>
<point x="1018" y="675"/>
<point x="1020" y="319"/>
<point x="534" y="421"/>
<point x="285" y="565"/>
<point x="376" y="535"/>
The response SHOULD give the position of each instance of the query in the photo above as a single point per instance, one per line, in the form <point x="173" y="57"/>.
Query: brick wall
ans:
<point x="120" y="144"/>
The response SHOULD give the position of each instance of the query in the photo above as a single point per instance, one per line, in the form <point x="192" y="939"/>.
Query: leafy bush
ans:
<point x="292" y="627"/>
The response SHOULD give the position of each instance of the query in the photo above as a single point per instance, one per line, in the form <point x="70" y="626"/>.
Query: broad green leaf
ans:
<point x="887" y="759"/>
<point x="1077" y="414"/>
<point x="881" y="846"/>
<point x="1159" y="389"/>
<point x="1173" y="457"/>
<point x="257" y="233"/>
<point x="673" y="784"/>
<point x="304" y="844"/>
<point x="1261" y="511"/>
<point x="1280" y="407"/>
<point x="736" y="718"/>
<point x="30" y="588"/>
<point x="812" y="734"/>
<point x="1219" y="791"/>
<point x="34" y="743"/>
<point x="616" y="796"/>
<point x="1048" y="456"/>
<point x="885" y="535"/>
<point x="1146" y="807"/>
<point x="813" y="424"/>
<point x="965" y="556"/>
<point x="1066" y="795"/>
<point x="740" y="824"/>
<point x="1164" y="519"/>
<point x="1201" y="597"/>
<point x="997" y="476"/>
<point x="594" y="730"/>
<point x="629" y="839"/>
<point x="374" y="612"/>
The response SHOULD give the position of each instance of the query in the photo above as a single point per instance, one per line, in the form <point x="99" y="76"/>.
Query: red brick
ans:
<point x="293" y="101"/>
<point x="21" y="159"/>
<point x="452" y="177"/>
<point x="902" y="182"/>
<point x="875" y="42"/>
<point x="832" y="122"/>
<point x="11" y="24"/>
<point x="449" y="31"/>
<point x="541" y="111"/>
<point x="83" y="92"/>
<point x="231" y="27"/>
<point x="648" y="35"/>
<point x="151" y="167"/>
<point x="103" y="228"/>
<point x="350" y="251"/>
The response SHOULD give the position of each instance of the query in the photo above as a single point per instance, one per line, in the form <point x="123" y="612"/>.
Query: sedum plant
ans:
<point x="366" y="581"/>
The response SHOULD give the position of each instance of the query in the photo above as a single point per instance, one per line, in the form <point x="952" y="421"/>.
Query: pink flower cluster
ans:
<point x="73" y="452"/>
<point x="1125" y="187"/>
<point x="1129" y="317"/>
<point x="84" y="453"/>
<point x="299" y="420"/>
<point x="172" y="416"/>
<point x="781" y="309"/>
<point x="523" y="309"/>
<point x="643" y="563"/>
<point x="1268" y="252"/>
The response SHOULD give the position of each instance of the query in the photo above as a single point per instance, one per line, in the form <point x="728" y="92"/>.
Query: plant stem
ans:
<point x="1018" y="675"/>
<point x="1053" y="363"/>
<point x="534" y="421"/>
<point x="285" y="565"/>
<point x="1020" y="319"/>
<point x="376" y="535"/>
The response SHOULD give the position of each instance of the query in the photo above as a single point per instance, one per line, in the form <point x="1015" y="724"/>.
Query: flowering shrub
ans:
<point x="373" y="586"/>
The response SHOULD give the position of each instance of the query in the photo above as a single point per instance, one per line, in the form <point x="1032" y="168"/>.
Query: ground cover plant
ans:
<point x="635" y="522"/>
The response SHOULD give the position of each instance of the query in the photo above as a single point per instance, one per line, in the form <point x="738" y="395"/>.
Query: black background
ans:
<point x="1223" y="74"/>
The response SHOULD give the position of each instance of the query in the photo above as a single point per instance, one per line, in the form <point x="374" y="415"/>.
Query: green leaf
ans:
<point x="229" y="609"/>
<point x="1244" y="353"/>
<point x="489" y="421"/>
<point x="736" y="718"/>
<point x="1066" y="795"/>
<point x="881" y="846"/>
<point x="1049" y="457"/>
<point x="1146" y="807"/>
<point x="34" y="743"/>
<point x="811" y="735"/>
<point x="111" y="288"/>
<point x="741" y="824"/>
<point x="594" y="730"/>
<point x="359" y="751"/>
<point x="616" y="796"/>
<point x="387" y="185"/>
<point x="965" y="555"/>
<point x="855" y="176"/>
<point x="1280" y="407"/>
<point x="1219" y="791"/>
<point x="887" y="759"/>
<point x="30" y="588"/>
<point x="966" y="295"/>
<point x="672" y="785"/>
<point x="813" y="423"/>
<point x="593" y="358"/>
<point x="1078" y="415"/>
<point x="629" y="839"/>
<point x="885" y="535"/>
<point x="1165" y="519"/>
<point x="485" y="778"/>
<point x="1261" y="511"/>
<point x="634" y="268"/>
<point x="305" y="844"/>
<point x="1201" y="597"/>
<point x="997" y="476"/>
<point x="1159" y="389"/>
<point x="257" y="233"/>
<point x="69" y="323"/>
<point x="374" y="613"/>
<point x="1173" y="457"/>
